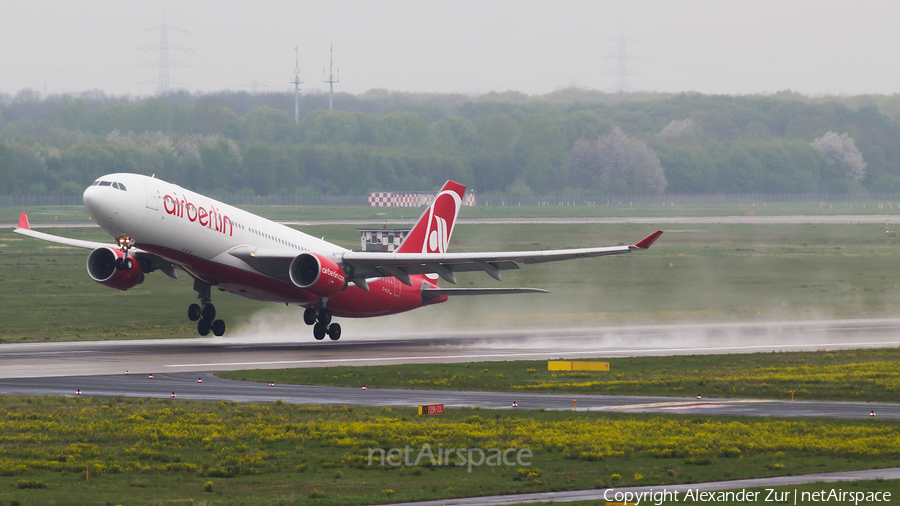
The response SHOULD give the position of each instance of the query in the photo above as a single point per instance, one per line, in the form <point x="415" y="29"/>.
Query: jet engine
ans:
<point x="102" y="267"/>
<point x="317" y="274"/>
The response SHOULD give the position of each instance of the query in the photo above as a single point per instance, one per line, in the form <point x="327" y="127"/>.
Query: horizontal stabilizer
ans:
<point x="436" y="292"/>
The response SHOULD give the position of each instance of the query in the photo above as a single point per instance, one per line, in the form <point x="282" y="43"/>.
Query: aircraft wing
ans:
<point x="24" y="228"/>
<point x="78" y="243"/>
<point x="156" y="262"/>
<point x="401" y="265"/>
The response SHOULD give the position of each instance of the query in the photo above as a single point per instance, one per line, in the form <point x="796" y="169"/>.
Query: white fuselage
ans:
<point x="200" y="234"/>
<point x="155" y="212"/>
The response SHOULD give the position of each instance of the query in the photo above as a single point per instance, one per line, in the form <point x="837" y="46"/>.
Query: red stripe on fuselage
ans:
<point x="385" y="296"/>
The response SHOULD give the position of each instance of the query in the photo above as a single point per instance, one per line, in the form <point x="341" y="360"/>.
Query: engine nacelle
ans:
<point x="101" y="266"/>
<point x="317" y="274"/>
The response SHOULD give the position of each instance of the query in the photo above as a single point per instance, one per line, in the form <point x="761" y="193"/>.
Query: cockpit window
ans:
<point x="105" y="183"/>
<point x="122" y="187"/>
<point x="115" y="185"/>
<point x="95" y="183"/>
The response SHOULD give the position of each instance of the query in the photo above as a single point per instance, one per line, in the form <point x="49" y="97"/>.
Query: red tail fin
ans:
<point x="432" y="232"/>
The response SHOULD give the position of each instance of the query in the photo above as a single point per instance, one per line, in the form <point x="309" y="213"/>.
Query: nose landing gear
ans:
<point x="205" y="313"/>
<point x="125" y="263"/>
<point x="321" y="323"/>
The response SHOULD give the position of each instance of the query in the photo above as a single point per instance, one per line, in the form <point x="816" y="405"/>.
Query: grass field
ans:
<point x="43" y="214"/>
<point x="164" y="452"/>
<point x="692" y="274"/>
<point x="856" y="375"/>
<point x="143" y="451"/>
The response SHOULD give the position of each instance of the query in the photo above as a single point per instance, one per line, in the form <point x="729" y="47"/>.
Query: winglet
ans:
<point x="23" y="221"/>
<point x="649" y="240"/>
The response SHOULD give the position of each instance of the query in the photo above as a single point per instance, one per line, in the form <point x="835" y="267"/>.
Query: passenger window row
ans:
<point x="276" y="239"/>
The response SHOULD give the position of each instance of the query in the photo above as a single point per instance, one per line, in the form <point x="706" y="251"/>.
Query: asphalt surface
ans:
<point x="98" y="368"/>
<point x="297" y="348"/>
<point x="189" y="386"/>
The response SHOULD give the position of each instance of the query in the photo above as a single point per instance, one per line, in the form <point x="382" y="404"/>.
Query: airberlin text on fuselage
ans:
<point x="210" y="218"/>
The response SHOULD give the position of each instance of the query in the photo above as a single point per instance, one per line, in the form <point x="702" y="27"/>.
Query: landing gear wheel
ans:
<point x="218" y="328"/>
<point x="319" y="331"/>
<point x="203" y="328"/>
<point x="334" y="331"/>
<point x="309" y="316"/>
<point x="325" y="316"/>
<point x="194" y="312"/>
<point x="127" y="264"/>
<point x="120" y="264"/>
<point x="208" y="312"/>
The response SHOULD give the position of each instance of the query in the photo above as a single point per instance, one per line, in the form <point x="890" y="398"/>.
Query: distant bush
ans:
<point x="32" y="484"/>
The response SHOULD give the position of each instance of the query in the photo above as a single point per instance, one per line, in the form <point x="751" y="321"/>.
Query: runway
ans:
<point x="98" y="368"/>
<point x="287" y="351"/>
<point x="187" y="386"/>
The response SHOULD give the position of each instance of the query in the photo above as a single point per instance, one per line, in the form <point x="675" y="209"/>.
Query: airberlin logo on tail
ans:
<point x="440" y="222"/>
<point x="437" y="238"/>
<point x="210" y="218"/>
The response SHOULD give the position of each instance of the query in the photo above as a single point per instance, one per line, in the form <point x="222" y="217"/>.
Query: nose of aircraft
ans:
<point x="114" y="205"/>
<point x="91" y="199"/>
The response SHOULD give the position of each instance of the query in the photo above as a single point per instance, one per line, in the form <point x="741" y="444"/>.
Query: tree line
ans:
<point x="570" y="141"/>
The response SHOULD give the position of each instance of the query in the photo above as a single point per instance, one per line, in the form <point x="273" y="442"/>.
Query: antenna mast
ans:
<point x="297" y="82"/>
<point x="331" y="79"/>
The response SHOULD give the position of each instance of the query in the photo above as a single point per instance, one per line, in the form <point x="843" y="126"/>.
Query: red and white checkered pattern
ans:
<point x="409" y="199"/>
<point x="391" y="199"/>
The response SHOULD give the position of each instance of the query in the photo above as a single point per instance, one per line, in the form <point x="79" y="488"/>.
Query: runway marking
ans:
<point x="695" y="406"/>
<point x="531" y="354"/>
<point x="21" y="354"/>
<point x="830" y="329"/>
<point x="681" y="404"/>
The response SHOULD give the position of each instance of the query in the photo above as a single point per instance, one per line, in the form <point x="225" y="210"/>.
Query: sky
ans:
<point x="736" y="47"/>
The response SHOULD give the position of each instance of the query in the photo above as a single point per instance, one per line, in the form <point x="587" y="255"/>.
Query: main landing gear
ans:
<point x="321" y="323"/>
<point x="205" y="313"/>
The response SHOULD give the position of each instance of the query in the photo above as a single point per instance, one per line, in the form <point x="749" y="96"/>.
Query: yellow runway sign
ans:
<point x="577" y="366"/>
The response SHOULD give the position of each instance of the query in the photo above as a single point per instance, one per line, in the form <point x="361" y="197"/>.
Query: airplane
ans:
<point x="160" y="226"/>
